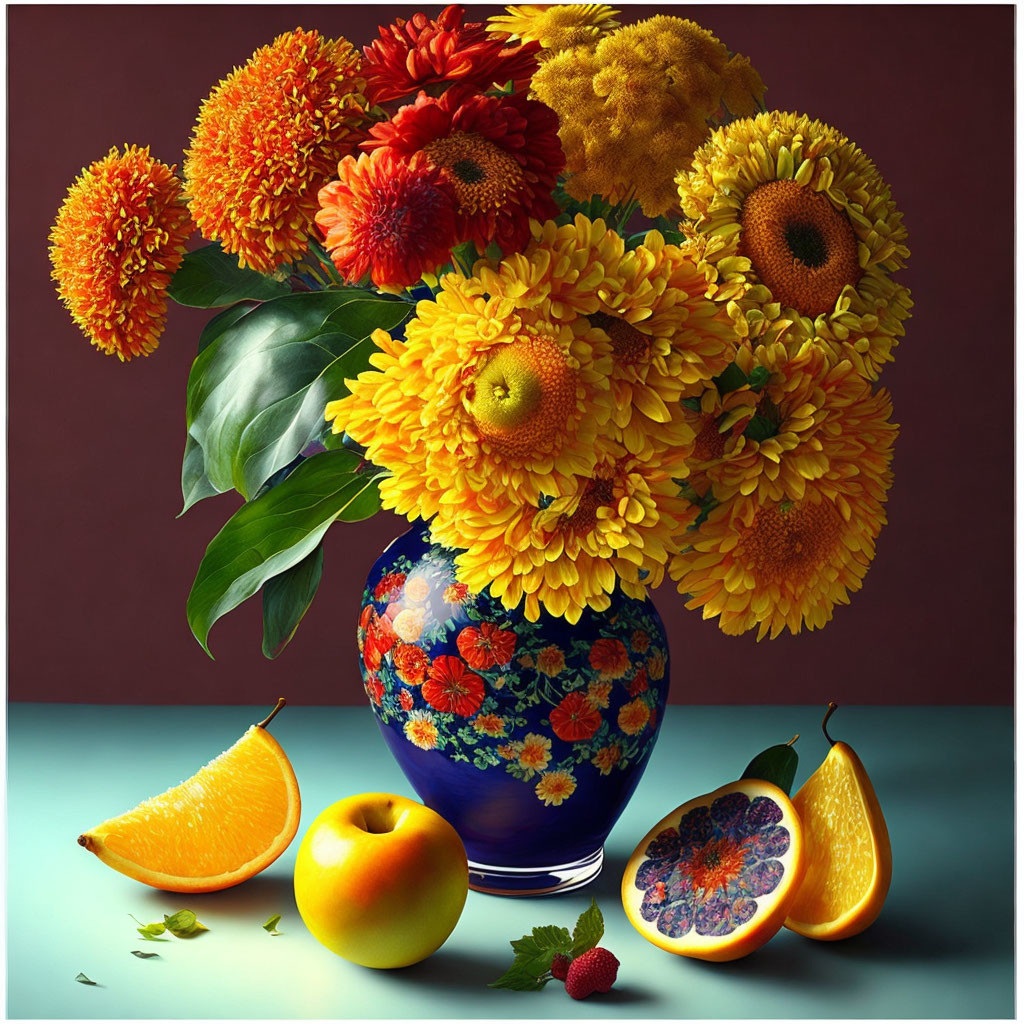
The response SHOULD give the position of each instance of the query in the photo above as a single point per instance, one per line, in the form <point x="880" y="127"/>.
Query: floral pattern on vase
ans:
<point x="467" y="692"/>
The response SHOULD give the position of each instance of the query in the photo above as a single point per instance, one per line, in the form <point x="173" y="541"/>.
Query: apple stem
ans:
<point x="266" y="721"/>
<point x="832" y="705"/>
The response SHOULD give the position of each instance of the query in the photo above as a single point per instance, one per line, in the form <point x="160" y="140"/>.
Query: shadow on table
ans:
<point x="457" y="971"/>
<point x="265" y="894"/>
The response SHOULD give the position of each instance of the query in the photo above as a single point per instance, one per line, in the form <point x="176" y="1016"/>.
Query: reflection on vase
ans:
<point x="529" y="737"/>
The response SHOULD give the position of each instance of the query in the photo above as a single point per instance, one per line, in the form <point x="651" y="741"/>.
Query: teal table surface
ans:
<point x="942" y="947"/>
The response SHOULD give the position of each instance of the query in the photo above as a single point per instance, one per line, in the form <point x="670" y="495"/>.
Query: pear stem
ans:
<point x="793" y="740"/>
<point x="266" y="721"/>
<point x="832" y="706"/>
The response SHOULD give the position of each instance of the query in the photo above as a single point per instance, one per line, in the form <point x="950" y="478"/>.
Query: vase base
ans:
<point x="539" y="881"/>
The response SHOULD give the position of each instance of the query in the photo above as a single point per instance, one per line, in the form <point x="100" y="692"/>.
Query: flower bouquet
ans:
<point x="562" y="292"/>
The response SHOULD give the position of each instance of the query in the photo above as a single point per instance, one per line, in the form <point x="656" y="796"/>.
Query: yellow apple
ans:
<point x="381" y="880"/>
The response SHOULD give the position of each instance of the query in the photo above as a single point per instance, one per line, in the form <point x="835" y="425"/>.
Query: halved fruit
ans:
<point x="223" y="825"/>
<point x="849" y="859"/>
<point x="716" y="878"/>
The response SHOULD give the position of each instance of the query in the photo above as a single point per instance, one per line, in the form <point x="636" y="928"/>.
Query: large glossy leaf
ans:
<point x="222" y="321"/>
<point x="210" y="277"/>
<point x="263" y="378"/>
<point x="268" y="536"/>
<point x="286" y="598"/>
<point x="195" y="485"/>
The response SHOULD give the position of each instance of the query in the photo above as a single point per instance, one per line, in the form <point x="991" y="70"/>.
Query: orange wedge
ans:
<point x="849" y="859"/>
<point x="229" y="821"/>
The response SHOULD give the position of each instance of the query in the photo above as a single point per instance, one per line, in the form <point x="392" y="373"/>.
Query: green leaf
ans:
<point x="184" y="925"/>
<point x="759" y="377"/>
<point x="256" y="394"/>
<point x="520" y="980"/>
<point x="222" y="321"/>
<point x="730" y="379"/>
<point x="533" y="955"/>
<point x="210" y="277"/>
<point x="271" y="923"/>
<point x="760" y="428"/>
<point x="84" y="980"/>
<point x="276" y="531"/>
<point x="286" y="599"/>
<point x="150" y="931"/>
<point x="144" y="956"/>
<point x="195" y="484"/>
<point x="588" y="931"/>
<point x="776" y="765"/>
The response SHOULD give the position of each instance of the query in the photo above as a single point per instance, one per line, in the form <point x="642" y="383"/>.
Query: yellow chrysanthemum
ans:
<point x="806" y="415"/>
<point x="421" y="730"/>
<point x="118" y="238"/>
<point x="804" y="237"/>
<point x="555" y="26"/>
<point x="268" y="138"/>
<point x="634" y="108"/>
<point x="667" y="338"/>
<point x="555" y="787"/>
<point x="786" y="564"/>
<point x="617" y="525"/>
<point x="482" y="397"/>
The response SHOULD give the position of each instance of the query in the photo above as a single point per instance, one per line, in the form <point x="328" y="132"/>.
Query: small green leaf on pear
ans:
<point x="84" y="980"/>
<point x="776" y="765"/>
<point x="271" y="923"/>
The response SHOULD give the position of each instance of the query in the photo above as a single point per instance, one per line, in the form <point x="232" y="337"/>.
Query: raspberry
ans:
<point x="560" y="966"/>
<point x="594" y="971"/>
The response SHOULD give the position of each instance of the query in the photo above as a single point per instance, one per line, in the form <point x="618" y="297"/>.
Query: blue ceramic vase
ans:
<point x="529" y="737"/>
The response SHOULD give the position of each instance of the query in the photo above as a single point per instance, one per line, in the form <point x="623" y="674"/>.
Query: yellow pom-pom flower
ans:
<point x="799" y="237"/>
<point x="555" y="26"/>
<point x="118" y="238"/>
<point x="634" y="108"/>
<point x="267" y="139"/>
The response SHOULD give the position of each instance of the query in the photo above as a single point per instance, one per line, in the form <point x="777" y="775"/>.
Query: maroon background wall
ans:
<point x="99" y="567"/>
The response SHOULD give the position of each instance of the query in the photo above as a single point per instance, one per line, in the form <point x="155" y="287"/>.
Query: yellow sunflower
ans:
<point x="798" y="232"/>
<point x="568" y="552"/>
<point x="667" y="338"/>
<point x="633" y="108"/>
<point x="555" y="26"/>
<point x="804" y="414"/>
<point x="786" y="564"/>
<point x="267" y="139"/>
<point x="481" y="397"/>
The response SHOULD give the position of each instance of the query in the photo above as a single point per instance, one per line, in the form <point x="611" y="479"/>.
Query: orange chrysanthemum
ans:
<point x="534" y="752"/>
<point x="421" y="730"/>
<point x="410" y="55"/>
<point x="387" y="217"/>
<point x="500" y="155"/>
<point x="634" y="716"/>
<point x="555" y="787"/>
<point x="118" y="238"/>
<point x="607" y="758"/>
<point x="268" y="138"/>
<point x="786" y="564"/>
<point x="805" y="416"/>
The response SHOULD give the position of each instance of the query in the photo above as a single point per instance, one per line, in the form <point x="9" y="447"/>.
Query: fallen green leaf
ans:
<point x="84" y="980"/>
<point x="144" y="956"/>
<point x="271" y="923"/>
<point x="184" y="925"/>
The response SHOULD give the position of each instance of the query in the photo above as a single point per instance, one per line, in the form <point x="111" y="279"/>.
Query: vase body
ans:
<point x="529" y="737"/>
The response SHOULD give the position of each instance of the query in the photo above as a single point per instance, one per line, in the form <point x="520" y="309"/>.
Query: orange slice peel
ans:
<point x="226" y="823"/>
<point x="715" y="878"/>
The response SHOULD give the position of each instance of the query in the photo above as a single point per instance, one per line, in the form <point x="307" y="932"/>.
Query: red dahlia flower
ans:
<point x="420" y="52"/>
<point x="500" y="155"/>
<point x="487" y="646"/>
<point x="575" y="718"/>
<point x="450" y="687"/>
<point x="391" y="218"/>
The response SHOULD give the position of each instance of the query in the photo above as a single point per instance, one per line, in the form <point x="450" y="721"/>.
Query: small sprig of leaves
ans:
<point x="182" y="925"/>
<point x="531" y="967"/>
<point x="271" y="923"/>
